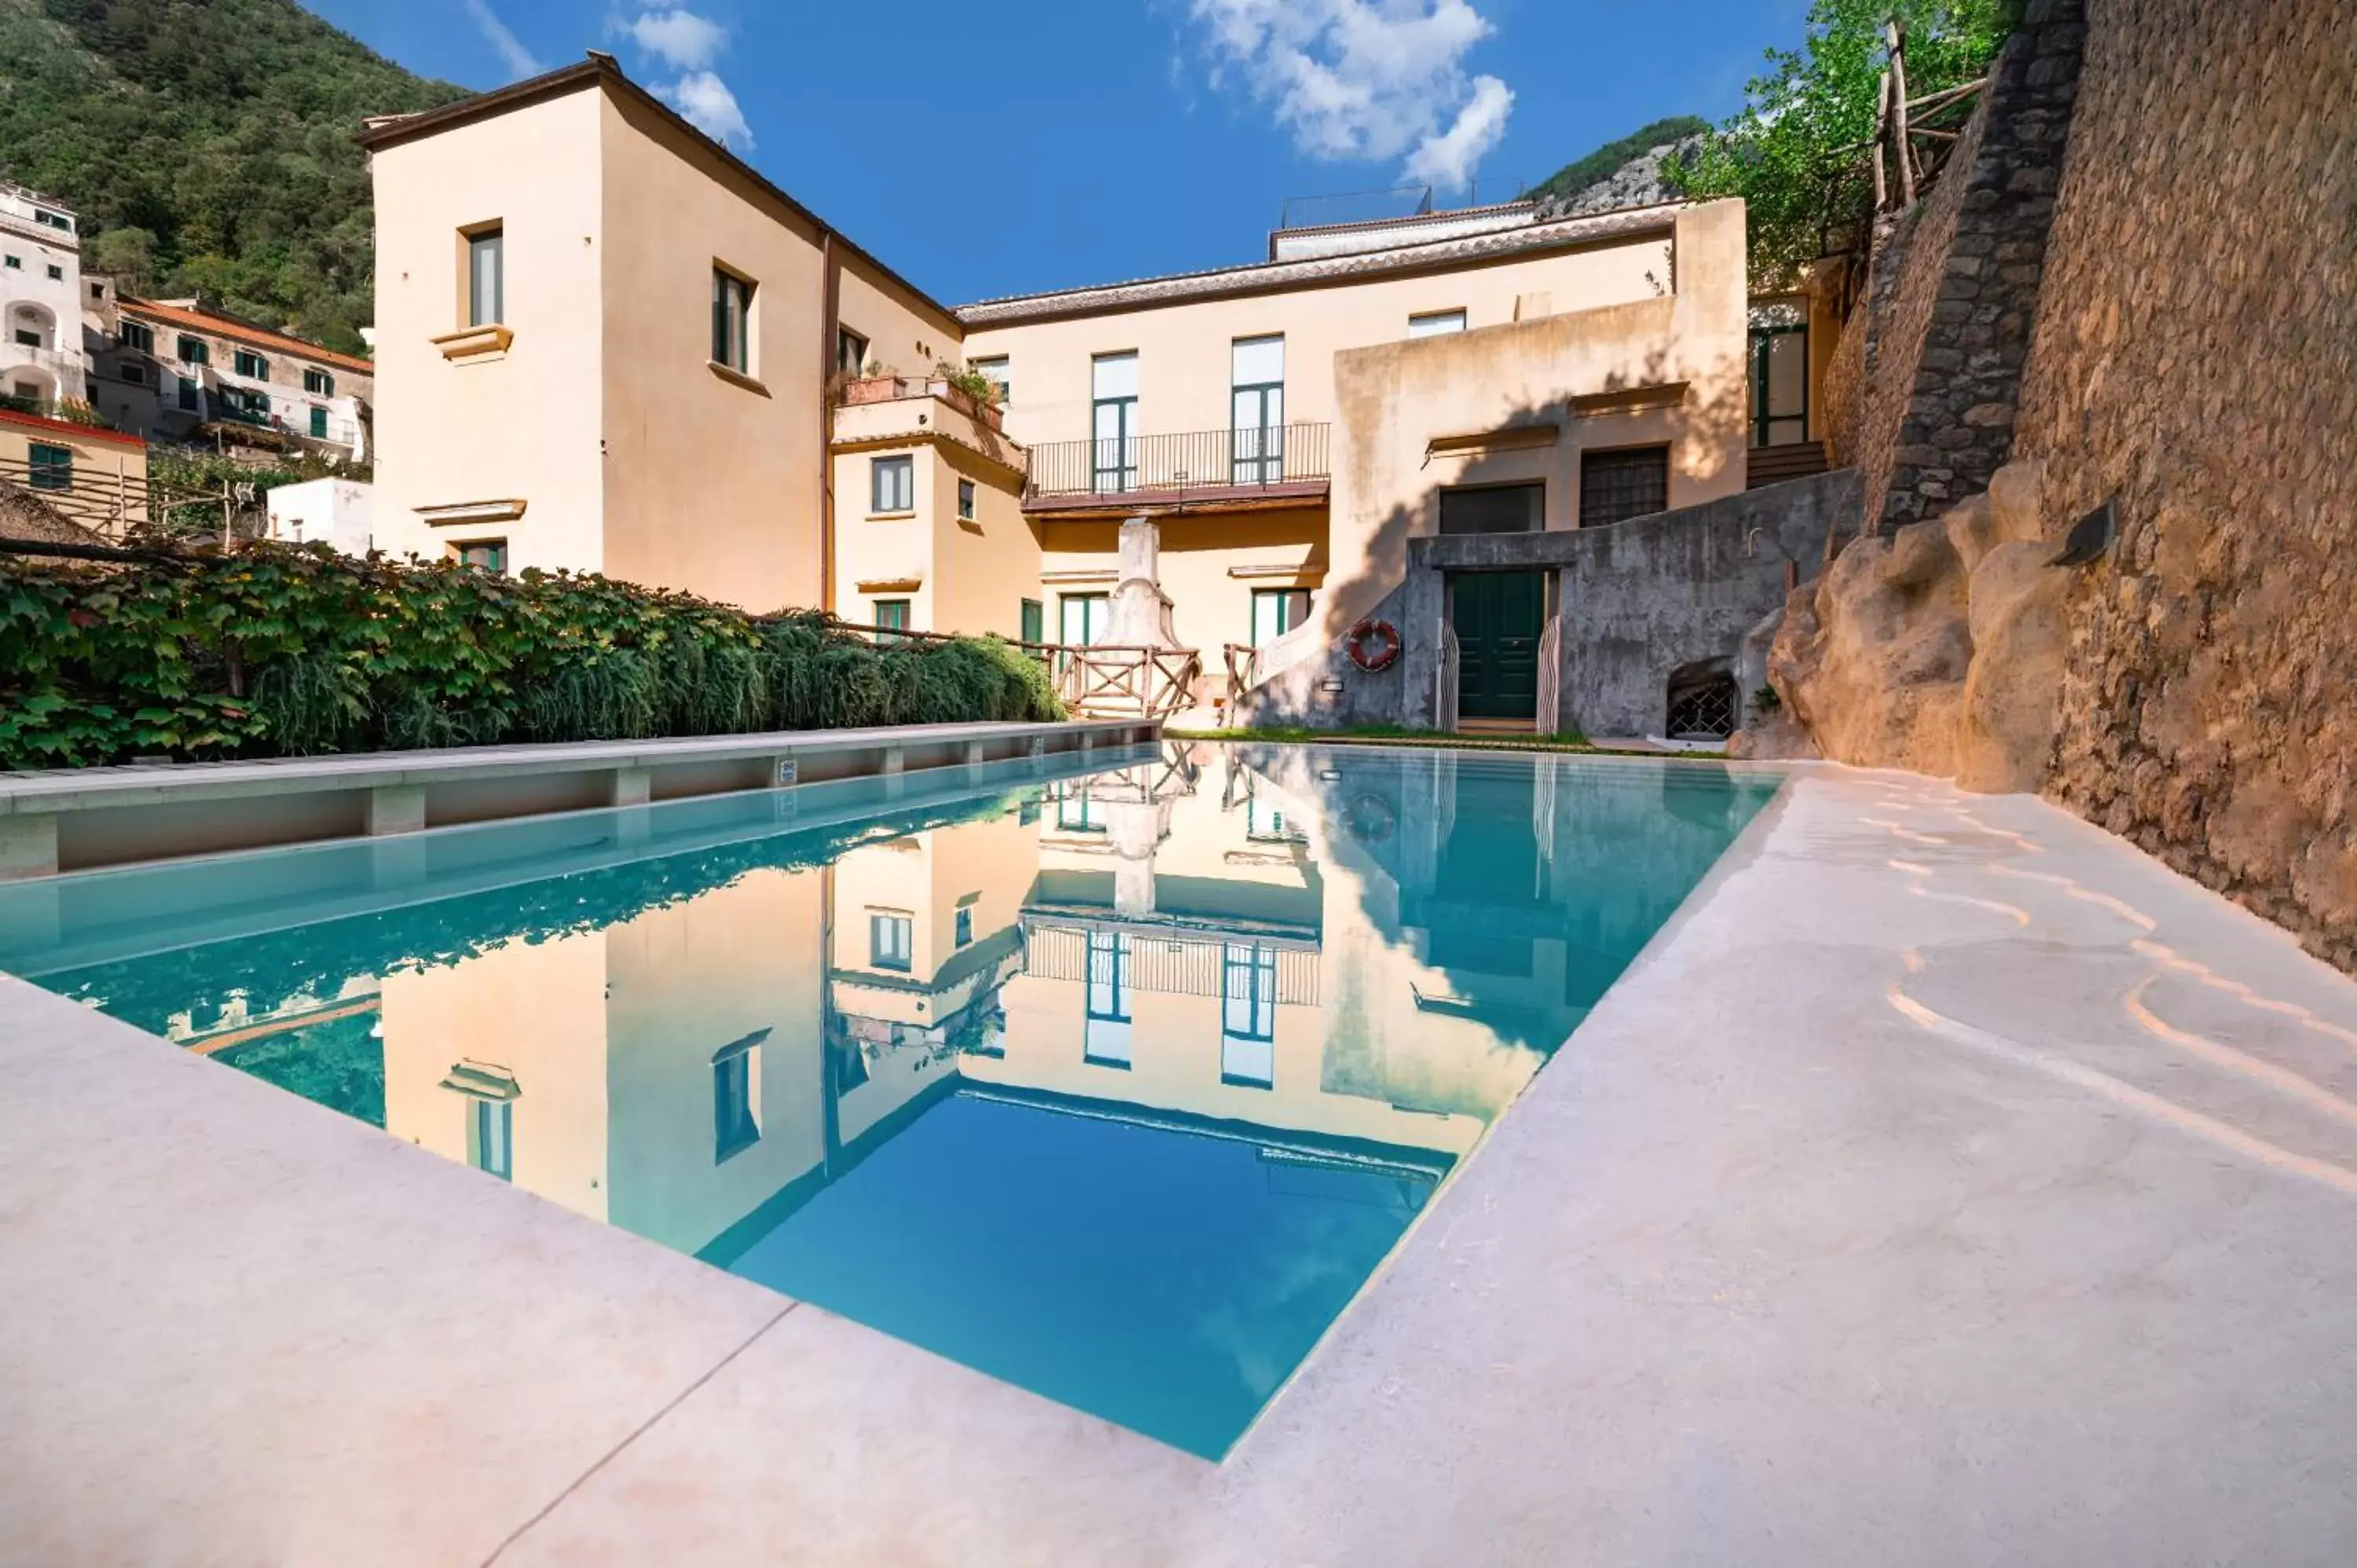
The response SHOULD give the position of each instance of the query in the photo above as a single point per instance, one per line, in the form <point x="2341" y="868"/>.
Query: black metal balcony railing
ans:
<point x="1250" y="458"/>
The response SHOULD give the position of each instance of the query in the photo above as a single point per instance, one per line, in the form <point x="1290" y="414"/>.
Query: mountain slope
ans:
<point x="207" y="145"/>
<point x="1632" y="166"/>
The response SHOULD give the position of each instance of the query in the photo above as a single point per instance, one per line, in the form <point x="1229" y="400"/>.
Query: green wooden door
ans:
<point x="1498" y="616"/>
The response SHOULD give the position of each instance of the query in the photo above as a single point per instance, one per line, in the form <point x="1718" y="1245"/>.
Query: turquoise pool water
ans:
<point x="1117" y="1084"/>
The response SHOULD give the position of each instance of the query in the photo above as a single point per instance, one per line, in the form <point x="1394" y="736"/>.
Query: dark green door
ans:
<point x="1498" y="616"/>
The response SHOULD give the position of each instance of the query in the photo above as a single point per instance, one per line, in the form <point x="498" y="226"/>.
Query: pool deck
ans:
<point x="1947" y="1183"/>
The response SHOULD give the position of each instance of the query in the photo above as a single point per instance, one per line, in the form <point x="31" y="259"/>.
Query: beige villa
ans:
<point x="606" y="343"/>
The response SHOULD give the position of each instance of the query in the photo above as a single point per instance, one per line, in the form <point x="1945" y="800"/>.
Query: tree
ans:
<point x="126" y="255"/>
<point x="1794" y="150"/>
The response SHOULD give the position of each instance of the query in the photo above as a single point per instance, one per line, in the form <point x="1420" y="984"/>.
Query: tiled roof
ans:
<point x="226" y="327"/>
<point x="1260" y="276"/>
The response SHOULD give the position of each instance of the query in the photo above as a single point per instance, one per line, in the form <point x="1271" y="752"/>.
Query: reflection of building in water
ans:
<point x="664" y="1073"/>
<point x="1176" y="945"/>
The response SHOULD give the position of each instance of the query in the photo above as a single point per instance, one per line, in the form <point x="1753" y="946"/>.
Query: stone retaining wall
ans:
<point x="2195" y="355"/>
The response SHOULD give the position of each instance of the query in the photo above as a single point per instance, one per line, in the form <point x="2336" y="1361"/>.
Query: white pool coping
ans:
<point x="1948" y="1182"/>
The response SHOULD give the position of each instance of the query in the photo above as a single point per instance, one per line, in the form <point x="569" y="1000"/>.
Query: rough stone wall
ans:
<point x="1921" y="393"/>
<point x="1958" y="427"/>
<point x="2195" y="355"/>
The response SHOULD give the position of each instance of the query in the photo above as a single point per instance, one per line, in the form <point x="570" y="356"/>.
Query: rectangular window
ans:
<point x="482" y="555"/>
<point x="1276" y="611"/>
<point x="131" y="370"/>
<point x="491" y="1140"/>
<point x="52" y="467"/>
<point x="57" y="275"/>
<point x="850" y="352"/>
<point x="1617" y="486"/>
<point x="1493" y="509"/>
<point x="1256" y="410"/>
<point x="53" y="219"/>
<point x="965" y="499"/>
<point x="965" y="937"/>
<point x="892" y="484"/>
<point x="1248" y="1015"/>
<point x="735" y="1122"/>
<point x="1082" y="618"/>
<point x="194" y="350"/>
<point x="995" y="370"/>
<point x="318" y="425"/>
<point x="319" y="384"/>
<point x="1105" y="1039"/>
<point x="486" y="277"/>
<point x="1432" y="324"/>
<point x="14" y="264"/>
<point x="1034" y="621"/>
<point x="135" y="335"/>
<point x="892" y="615"/>
<point x="732" y="315"/>
<point x="891" y="942"/>
<point x="1113" y="420"/>
<point x="27" y="339"/>
<point x="250" y="365"/>
<point x="189" y="397"/>
<point x="1780" y="386"/>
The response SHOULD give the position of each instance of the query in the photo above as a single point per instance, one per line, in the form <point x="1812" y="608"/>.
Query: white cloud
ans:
<point x="681" y="39"/>
<point x="1450" y="159"/>
<point x="710" y="107"/>
<point x="1366" y="79"/>
<point x="509" y="49"/>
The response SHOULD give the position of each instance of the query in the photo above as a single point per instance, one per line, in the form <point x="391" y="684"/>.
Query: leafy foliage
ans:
<point x="208" y="147"/>
<point x="1792" y="153"/>
<point x="1607" y="160"/>
<point x="284" y="650"/>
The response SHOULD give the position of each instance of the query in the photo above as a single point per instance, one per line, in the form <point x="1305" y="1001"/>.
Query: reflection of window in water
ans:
<point x="1265" y="822"/>
<point x="1248" y="1015"/>
<point x="735" y="1125"/>
<point x="891" y="942"/>
<point x="1076" y="813"/>
<point x="491" y="1141"/>
<point x="1105" y="1039"/>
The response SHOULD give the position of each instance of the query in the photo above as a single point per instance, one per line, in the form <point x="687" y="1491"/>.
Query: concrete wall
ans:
<point x="1184" y="348"/>
<point x="2196" y="358"/>
<point x="1639" y="601"/>
<point x="1394" y="399"/>
<point x="525" y="425"/>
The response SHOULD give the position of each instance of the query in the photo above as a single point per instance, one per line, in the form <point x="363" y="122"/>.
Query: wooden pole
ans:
<point x="1881" y="116"/>
<point x="1898" y="42"/>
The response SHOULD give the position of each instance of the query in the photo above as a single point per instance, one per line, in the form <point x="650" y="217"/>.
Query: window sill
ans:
<point x="736" y="378"/>
<point x="474" y="342"/>
<point x="908" y="516"/>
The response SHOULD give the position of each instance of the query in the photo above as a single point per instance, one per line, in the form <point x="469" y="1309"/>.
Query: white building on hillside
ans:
<point x="337" y="512"/>
<point x="41" y="300"/>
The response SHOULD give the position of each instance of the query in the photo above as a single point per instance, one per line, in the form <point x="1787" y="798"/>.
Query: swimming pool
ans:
<point x="1115" y="1084"/>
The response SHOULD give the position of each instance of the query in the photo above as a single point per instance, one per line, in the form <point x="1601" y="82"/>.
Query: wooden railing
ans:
<point x="1107" y="680"/>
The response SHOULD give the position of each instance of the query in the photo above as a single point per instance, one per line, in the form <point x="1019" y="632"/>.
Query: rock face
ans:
<point x="1938" y="648"/>
<point x="1637" y="183"/>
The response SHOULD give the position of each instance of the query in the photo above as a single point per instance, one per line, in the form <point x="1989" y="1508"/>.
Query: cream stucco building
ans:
<point x="606" y="343"/>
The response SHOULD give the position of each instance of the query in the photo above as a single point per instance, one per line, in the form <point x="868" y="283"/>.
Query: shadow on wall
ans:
<point x="1634" y="605"/>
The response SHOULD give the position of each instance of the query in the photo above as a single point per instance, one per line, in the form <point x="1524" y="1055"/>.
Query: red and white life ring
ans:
<point x="1386" y="639"/>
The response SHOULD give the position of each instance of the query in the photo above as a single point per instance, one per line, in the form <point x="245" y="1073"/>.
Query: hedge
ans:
<point x="277" y="650"/>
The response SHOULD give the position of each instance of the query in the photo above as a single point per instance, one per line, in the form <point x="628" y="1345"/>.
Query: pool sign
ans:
<point x="789" y="771"/>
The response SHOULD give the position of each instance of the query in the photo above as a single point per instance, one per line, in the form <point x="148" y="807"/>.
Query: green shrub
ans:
<point x="288" y="651"/>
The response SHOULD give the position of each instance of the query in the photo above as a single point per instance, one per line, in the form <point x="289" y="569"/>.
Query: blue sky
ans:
<point x="987" y="148"/>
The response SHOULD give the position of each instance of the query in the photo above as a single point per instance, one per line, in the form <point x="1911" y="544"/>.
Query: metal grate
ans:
<point x="1617" y="486"/>
<point x="1703" y="712"/>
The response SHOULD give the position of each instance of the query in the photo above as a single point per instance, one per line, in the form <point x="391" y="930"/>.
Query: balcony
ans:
<point x="1208" y="468"/>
